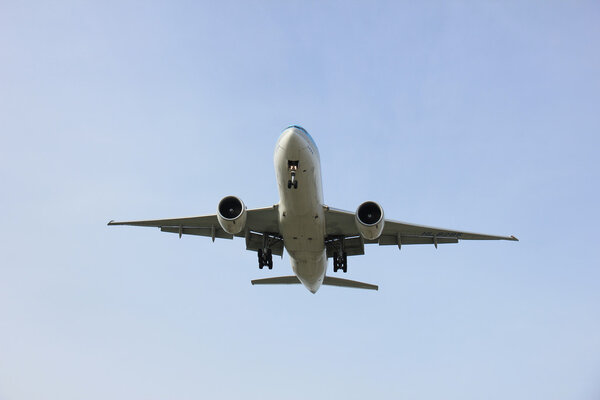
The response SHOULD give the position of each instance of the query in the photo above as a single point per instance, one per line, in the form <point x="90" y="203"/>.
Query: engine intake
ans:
<point x="231" y="214"/>
<point x="369" y="220"/>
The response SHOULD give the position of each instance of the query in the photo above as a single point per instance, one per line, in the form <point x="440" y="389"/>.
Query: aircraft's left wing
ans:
<point x="261" y="220"/>
<point x="341" y="224"/>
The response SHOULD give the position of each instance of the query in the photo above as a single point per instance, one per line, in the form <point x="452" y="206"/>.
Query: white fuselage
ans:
<point x="301" y="214"/>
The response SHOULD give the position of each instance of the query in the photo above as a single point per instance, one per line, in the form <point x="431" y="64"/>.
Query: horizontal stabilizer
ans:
<point x="330" y="281"/>
<point x="279" y="280"/>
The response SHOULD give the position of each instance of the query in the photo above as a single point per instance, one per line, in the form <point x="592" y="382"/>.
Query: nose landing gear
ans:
<point x="340" y="262"/>
<point x="265" y="258"/>
<point x="293" y="167"/>
<point x="293" y="182"/>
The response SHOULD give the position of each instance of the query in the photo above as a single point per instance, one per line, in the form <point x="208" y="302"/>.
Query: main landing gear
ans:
<point x="265" y="258"/>
<point x="340" y="262"/>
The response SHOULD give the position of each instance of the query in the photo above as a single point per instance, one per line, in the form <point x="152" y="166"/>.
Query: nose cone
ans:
<point x="292" y="138"/>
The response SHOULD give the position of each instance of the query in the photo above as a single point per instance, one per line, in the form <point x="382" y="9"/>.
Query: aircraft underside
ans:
<point x="310" y="231"/>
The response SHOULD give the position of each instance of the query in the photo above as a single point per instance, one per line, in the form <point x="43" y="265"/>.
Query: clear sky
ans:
<point x="480" y="116"/>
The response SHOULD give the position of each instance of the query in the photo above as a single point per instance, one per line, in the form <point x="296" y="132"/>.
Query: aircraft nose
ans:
<point x="292" y="138"/>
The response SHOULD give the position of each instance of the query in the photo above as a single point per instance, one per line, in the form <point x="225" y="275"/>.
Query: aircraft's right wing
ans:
<point x="261" y="220"/>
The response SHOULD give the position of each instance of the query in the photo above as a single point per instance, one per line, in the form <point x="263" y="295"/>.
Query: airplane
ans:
<point x="310" y="231"/>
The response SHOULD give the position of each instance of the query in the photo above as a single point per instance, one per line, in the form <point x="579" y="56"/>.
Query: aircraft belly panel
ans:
<point x="301" y="215"/>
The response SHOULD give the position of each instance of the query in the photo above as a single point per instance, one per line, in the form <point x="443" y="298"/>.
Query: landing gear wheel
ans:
<point x="340" y="262"/>
<point x="269" y="259"/>
<point x="261" y="263"/>
<point x="336" y="265"/>
<point x="293" y="182"/>
<point x="265" y="258"/>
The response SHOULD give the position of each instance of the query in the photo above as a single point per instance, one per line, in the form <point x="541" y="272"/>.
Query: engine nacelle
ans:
<point x="369" y="220"/>
<point x="231" y="214"/>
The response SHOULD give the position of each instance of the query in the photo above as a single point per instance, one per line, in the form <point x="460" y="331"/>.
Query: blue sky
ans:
<point x="480" y="116"/>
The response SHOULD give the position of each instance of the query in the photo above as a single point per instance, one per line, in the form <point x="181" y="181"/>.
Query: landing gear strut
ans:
<point x="340" y="262"/>
<point x="293" y="182"/>
<point x="265" y="258"/>
<point x="293" y="167"/>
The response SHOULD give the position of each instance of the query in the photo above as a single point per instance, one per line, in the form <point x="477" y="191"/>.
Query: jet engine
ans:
<point x="369" y="220"/>
<point x="231" y="214"/>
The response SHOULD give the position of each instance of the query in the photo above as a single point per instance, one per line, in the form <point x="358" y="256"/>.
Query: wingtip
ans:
<point x="514" y="238"/>
<point x="111" y="222"/>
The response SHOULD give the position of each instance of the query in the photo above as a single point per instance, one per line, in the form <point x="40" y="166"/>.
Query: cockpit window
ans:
<point x="297" y="127"/>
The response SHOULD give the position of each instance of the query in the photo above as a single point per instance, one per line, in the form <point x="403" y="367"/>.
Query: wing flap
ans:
<point x="387" y="240"/>
<point x="255" y="241"/>
<point x="353" y="246"/>
<point x="208" y="232"/>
